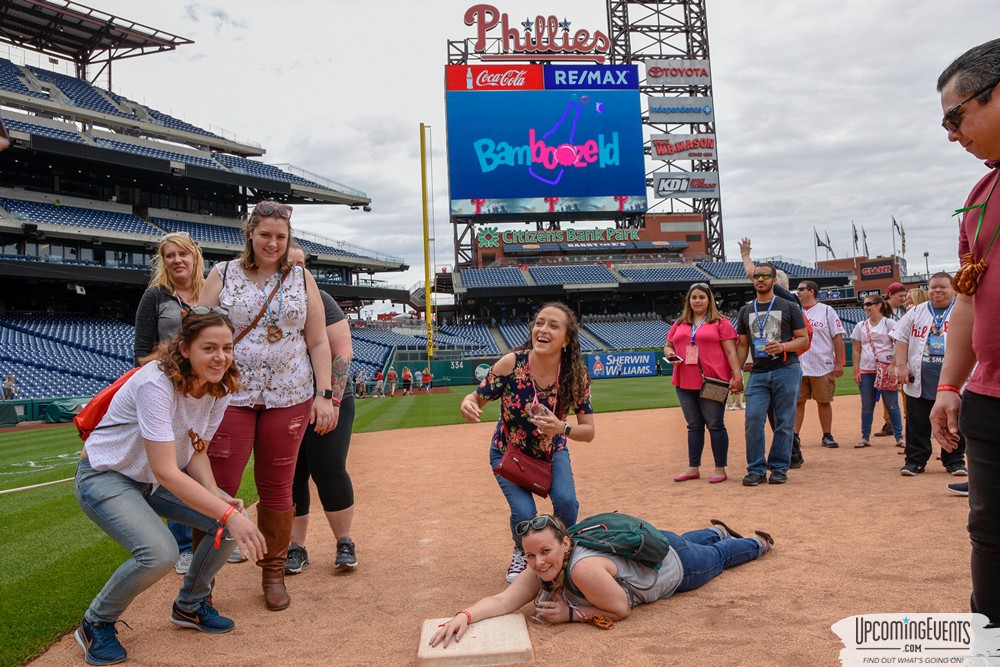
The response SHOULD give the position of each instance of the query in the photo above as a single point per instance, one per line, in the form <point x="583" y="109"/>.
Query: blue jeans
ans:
<point x="705" y="554"/>
<point x="699" y="413"/>
<point x="777" y="389"/>
<point x="182" y="534"/>
<point x="869" y="397"/>
<point x="129" y="512"/>
<point x="522" y="502"/>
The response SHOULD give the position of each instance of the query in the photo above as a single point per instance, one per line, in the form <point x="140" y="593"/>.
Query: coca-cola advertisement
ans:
<point x="537" y="140"/>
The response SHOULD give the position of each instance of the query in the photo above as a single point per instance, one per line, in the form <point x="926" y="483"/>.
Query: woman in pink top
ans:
<point x="703" y="343"/>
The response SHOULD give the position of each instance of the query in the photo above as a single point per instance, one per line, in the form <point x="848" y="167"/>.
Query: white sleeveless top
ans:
<point x="276" y="374"/>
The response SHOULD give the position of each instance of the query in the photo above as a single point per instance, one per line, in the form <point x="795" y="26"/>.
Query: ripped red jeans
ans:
<point x="273" y="435"/>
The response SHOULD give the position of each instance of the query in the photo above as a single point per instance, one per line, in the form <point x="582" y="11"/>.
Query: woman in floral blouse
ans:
<point x="285" y="346"/>
<point x="538" y="387"/>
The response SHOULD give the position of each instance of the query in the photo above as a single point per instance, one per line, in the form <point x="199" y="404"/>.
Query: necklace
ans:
<point x="274" y="332"/>
<point x="966" y="280"/>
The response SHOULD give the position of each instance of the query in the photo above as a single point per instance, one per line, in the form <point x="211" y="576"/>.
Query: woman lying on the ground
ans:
<point x="610" y="585"/>
<point x="147" y="459"/>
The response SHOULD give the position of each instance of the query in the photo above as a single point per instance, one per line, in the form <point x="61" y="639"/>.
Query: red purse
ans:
<point x="529" y="473"/>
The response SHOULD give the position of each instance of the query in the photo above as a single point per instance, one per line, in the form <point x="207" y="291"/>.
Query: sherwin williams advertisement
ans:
<point x="544" y="139"/>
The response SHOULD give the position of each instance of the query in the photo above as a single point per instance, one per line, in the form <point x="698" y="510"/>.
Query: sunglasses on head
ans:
<point x="273" y="208"/>
<point x="205" y="310"/>
<point x="763" y="276"/>
<point x="538" y="523"/>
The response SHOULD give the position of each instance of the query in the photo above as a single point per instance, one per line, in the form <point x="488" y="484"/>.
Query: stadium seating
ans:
<point x="504" y="277"/>
<point x="80" y="92"/>
<point x="202" y="232"/>
<point x="475" y="334"/>
<point x="43" y="131"/>
<point x="254" y="168"/>
<point x="156" y="153"/>
<point x="571" y="275"/>
<point x="629" y="335"/>
<point x="803" y="272"/>
<point x="724" y="270"/>
<point x="73" y="216"/>
<point x="10" y="79"/>
<point x="686" y="274"/>
<point x="312" y="247"/>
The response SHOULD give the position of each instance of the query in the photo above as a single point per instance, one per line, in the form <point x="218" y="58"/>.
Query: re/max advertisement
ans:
<point x="541" y="139"/>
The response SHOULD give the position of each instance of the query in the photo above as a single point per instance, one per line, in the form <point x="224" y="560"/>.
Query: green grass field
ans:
<point x="55" y="560"/>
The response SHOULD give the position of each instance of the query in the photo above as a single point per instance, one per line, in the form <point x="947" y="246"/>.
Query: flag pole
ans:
<point x="894" y="237"/>
<point x="815" y="246"/>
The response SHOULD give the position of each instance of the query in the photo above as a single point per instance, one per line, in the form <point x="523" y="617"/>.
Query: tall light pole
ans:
<point x="927" y="268"/>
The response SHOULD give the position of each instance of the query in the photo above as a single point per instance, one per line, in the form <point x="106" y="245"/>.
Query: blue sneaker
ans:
<point x="205" y="618"/>
<point x="99" y="643"/>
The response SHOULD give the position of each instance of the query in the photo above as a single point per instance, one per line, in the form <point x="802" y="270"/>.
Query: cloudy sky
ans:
<point x="826" y="113"/>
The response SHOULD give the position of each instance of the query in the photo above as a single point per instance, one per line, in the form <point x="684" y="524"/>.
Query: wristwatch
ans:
<point x="566" y="429"/>
<point x="325" y="393"/>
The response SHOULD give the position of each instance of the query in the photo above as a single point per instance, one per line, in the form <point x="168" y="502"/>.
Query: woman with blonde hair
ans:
<point x="283" y="354"/>
<point x="915" y="297"/>
<point x="702" y="344"/>
<point x="174" y="286"/>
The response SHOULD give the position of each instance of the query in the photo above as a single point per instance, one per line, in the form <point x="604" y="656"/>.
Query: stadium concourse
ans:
<point x="852" y="537"/>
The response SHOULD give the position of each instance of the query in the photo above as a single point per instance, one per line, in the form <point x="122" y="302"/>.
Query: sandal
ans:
<point x="862" y="444"/>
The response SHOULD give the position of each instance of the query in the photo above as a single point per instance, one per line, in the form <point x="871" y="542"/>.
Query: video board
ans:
<point x="541" y="140"/>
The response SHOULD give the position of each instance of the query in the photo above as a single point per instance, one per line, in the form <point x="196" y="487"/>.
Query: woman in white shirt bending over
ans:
<point x="872" y="342"/>
<point x="145" y="460"/>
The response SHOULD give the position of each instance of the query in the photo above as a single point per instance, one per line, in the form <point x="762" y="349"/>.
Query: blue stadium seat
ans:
<point x="686" y="274"/>
<point x="74" y="216"/>
<point x="11" y="78"/>
<point x="572" y="275"/>
<point x="43" y="131"/>
<point x="503" y="277"/>
<point x="474" y="334"/>
<point x="630" y="335"/>
<point x="202" y="232"/>
<point x="157" y="153"/>
<point x="82" y="93"/>
<point x="724" y="270"/>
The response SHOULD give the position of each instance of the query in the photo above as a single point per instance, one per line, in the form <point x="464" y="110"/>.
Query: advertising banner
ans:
<point x="539" y="139"/>
<point x="681" y="110"/>
<point x="682" y="147"/>
<point x="621" y="364"/>
<point x="678" y="73"/>
<point x="458" y="371"/>
<point x="694" y="185"/>
<point x="877" y="270"/>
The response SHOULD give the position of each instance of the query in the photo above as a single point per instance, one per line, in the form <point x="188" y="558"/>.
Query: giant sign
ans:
<point x="533" y="140"/>
<point x="545" y="38"/>
<point x="687" y="185"/>
<point x="679" y="73"/>
<point x="877" y="270"/>
<point x="681" y="110"/>
<point x="682" y="147"/>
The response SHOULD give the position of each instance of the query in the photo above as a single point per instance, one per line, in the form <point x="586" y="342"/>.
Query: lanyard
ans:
<point x="767" y="315"/>
<point x="939" y="320"/>
<point x="281" y="301"/>
<point x="694" y="329"/>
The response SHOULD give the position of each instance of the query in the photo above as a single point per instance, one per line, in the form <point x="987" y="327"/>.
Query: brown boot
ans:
<point x="277" y="530"/>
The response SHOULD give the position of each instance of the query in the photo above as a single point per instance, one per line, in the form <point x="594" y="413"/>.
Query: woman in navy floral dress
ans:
<point x="538" y="387"/>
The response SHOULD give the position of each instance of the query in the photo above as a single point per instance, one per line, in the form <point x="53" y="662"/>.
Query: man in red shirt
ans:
<point x="971" y="102"/>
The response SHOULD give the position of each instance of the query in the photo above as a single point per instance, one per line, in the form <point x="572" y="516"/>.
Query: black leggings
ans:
<point x="324" y="458"/>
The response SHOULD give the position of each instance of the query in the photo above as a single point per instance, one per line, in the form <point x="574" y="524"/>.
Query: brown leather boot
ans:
<point x="277" y="530"/>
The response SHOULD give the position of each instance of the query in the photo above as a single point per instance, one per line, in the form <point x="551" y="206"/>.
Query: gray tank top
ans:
<point x="641" y="584"/>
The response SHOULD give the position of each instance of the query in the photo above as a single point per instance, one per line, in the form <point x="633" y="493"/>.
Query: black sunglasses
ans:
<point x="269" y="208"/>
<point x="952" y="119"/>
<point x="538" y="523"/>
<point x="205" y="310"/>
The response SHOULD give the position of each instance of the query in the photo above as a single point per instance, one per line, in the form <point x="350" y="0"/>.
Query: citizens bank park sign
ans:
<point x="491" y="237"/>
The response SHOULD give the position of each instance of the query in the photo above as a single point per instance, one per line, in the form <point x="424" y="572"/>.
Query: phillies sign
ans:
<point x="545" y="38"/>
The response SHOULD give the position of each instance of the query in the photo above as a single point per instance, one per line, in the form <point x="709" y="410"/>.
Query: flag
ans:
<point x="828" y="246"/>
<point x="864" y="236"/>
<point x="821" y="244"/>
<point x="902" y="236"/>
<point x="896" y="226"/>
<point x="854" y="231"/>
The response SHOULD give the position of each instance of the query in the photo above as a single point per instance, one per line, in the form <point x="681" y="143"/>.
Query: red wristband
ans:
<point x="335" y="401"/>
<point x="467" y="615"/>
<point x="222" y="524"/>
<point x="949" y="387"/>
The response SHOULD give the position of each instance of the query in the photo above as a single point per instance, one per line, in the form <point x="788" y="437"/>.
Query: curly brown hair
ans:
<point x="178" y="368"/>
<point x="574" y="381"/>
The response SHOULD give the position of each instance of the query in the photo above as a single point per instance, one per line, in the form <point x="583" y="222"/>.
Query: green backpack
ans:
<point x="619" y="535"/>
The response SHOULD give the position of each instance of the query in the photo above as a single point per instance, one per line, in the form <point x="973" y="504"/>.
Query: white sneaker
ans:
<point x="237" y="556"/>
<point x="517" y="564"/>
<point x="183" y="563"/>
<point x="731" y="408"/>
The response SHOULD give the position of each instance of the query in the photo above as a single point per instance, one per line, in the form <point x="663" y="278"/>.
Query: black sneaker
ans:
<point x="205" y="618"/>
<point x="911" y="470"/>
<point x="796" y="461"/>
<point x="345" y="553"/>
<point x="753" y="479"/>
<point x="777" y="477"/>
<point x="297" y="559"/>
<point x="959" y="489"/>
<point x="828" y="441"/>
<point x="958" y="470"/>
<point x="99" y="643"/>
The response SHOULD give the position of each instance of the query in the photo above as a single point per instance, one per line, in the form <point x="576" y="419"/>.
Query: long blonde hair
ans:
<point x="161" y="278"/>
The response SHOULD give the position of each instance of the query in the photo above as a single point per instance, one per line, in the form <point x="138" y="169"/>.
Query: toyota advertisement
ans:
<point x="534" y="140"/>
